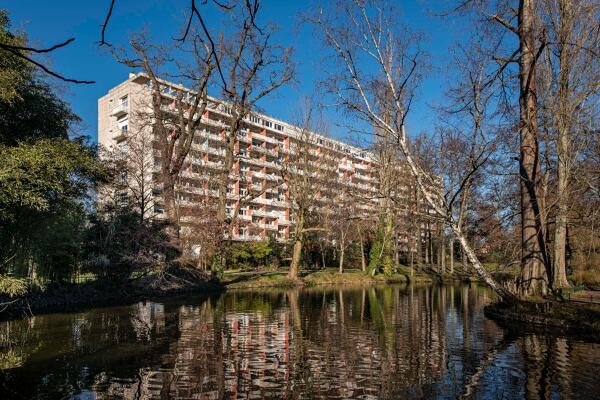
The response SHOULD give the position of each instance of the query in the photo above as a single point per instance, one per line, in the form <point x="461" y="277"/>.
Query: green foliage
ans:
<point x="43" y="189"/>
<point x="261" y="250"/>
<point x="12" y="287"/>
<point x="36" y="175"/>
<point x="380" y="256"/>
<point x="29" y="109"/>
<point x="45" y="177"/>
<point x="252" y="255"/>
<point x="14" y="71"/>
<point x="387" y="264"/>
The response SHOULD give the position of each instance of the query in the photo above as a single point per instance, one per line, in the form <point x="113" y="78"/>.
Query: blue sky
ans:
<point x="50" y="22"/>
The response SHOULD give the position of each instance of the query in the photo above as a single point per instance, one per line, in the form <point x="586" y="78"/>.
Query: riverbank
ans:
<point x="69" y="297"/>
<point x="253" y="280"/>
<point x="564" y="316"/>
<point x="72" y="297"/>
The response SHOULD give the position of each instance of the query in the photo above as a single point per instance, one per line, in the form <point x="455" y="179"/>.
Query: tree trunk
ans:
<point x="342" y="258"/>
<point x="482" y="272"/>
<point x="427" y="244"/>
<point x="396" y="254"/>
<point x="451" y="258"/>
<point x="430" y="241"/>
<point x="442" y="253"/>
<point x="363" y="262"/>
<point x="559" y="271"/>
<point x="297" y="252"/>
<point x="533" y="279"/>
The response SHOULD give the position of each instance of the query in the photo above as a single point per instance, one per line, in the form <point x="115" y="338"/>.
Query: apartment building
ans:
<point x="257" y="194"/>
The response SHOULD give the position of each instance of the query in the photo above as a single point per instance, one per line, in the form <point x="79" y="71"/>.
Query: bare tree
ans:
<point x="366" y="43"/>
<point x="253" y="68"/>
<point x="343" y="220"/>
<point x="569" y="79"/>
<point x="131" y="163"/>
<point x="308" y="172"/>
<point x="173" y="115"/>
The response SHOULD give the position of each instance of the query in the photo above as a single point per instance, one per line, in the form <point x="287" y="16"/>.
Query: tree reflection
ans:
<point x="384" y="342"/>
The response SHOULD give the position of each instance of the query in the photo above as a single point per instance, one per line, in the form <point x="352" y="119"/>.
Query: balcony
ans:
<point x="271" y="227"/>
<point x="120" y="134"/>
<point x="247" y="238"/>
<point x="261" y="213"/>
<point x="120" y="110"/>
<point x="264" y="138"/>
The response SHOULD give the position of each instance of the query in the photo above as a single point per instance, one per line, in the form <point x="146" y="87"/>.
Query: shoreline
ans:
<point x="74" y="298"/>
<point x="80" y="297"/>
<point x="549" y="315"/>
<point x="561" y="317"/>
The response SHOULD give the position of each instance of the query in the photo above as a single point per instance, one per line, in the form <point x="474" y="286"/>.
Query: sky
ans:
<point x="51" y="22"/>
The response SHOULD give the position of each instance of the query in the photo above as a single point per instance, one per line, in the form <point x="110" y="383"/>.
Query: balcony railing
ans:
<point x="120" y="134"/>
<point x="120" y="110"/>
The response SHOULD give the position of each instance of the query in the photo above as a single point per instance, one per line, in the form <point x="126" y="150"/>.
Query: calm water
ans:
<point x="374" y="342"/>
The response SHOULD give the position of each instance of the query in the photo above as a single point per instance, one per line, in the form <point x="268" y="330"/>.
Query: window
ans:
<point x="123" y="196"/>
<point x="279" y="127"/>
<point x="123" y="101"/>
<point x="268" y="124"/>
<point x="254" y="119"/>
<point x="124" y="125"/>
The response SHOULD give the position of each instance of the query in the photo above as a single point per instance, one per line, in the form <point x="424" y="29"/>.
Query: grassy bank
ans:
<point x="241" y="280"/>
<point x="89" y="293"/>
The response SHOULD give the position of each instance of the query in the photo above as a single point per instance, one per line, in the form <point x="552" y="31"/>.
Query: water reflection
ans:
<point x="371" y="342"/>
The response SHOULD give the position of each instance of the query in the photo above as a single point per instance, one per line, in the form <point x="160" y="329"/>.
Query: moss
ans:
<point x="243" y="281"/>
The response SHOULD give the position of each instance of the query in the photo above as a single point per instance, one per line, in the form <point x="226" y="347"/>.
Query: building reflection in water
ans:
<point x="367" y="342"/>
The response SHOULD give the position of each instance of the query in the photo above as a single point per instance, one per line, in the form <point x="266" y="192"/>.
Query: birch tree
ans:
<point x="367" y="44"/>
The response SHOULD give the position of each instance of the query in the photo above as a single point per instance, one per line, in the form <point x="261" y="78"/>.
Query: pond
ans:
<point x="323" y="342"/>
